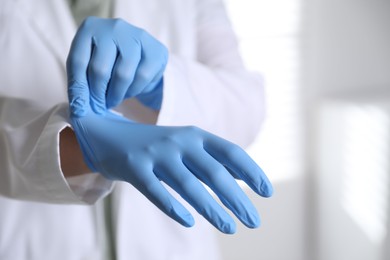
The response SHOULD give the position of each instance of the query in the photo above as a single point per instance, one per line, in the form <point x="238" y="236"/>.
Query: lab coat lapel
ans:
<point x="52" y="20"/>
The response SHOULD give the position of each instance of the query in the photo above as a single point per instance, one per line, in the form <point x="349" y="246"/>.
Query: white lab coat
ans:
<point x="45" y="216"/>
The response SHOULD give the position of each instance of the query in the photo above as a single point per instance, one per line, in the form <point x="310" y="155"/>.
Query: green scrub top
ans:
<point x="83" y="8"/>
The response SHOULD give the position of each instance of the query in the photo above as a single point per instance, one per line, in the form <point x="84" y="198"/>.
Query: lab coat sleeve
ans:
<point x="214" y="91"/>
<point x="29" y="156"/>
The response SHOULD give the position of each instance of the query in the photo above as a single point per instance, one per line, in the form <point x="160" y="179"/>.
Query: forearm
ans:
<point x="72" y="162"/>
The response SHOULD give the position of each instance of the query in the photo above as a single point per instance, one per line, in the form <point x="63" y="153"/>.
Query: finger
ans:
<point x="76" y="67"/>
<point x="214" y="175"/>
<point x="128" y="58"/>
<point x="237" y="160"/>
<point x="148" y="184"/>
<point x="151" y="67"/>
<point x="100" y="67"/>
<point x="189" y="187"/>
<point x="233" y="174"/>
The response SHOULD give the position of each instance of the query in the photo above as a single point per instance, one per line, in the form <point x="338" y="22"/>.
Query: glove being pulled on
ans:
<point x="181" y="157"/>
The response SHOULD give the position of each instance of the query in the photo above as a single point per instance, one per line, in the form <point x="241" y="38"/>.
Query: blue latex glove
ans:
<point x="182" y="157"/>
<point x="110" y="60"/>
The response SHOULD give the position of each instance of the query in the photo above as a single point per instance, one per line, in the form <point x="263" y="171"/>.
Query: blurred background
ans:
<point x="326" y="142"/>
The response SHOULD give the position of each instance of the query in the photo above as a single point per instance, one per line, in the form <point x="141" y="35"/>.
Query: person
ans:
<point x="53" y="204"/>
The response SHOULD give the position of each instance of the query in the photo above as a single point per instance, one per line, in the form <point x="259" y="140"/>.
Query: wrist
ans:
<point x="72" y="161"/>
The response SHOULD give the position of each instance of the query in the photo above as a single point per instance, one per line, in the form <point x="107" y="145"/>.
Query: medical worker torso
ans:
<point x="45" y="216"/>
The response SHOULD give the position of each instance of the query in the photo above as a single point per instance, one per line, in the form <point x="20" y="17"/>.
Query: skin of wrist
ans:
<point x="72" y="161"/>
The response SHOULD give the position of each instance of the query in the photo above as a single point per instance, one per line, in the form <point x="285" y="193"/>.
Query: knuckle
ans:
<point x="171" y="143"/>
<point x="142" y="34"/>
<point x="100" y="71"/>
<point x="123" y="75"/>
<point x="144" y="74"/>
<point x="118" y="23"/>
<point x="88" y="21"/>
<point x="190" y="134"/>
<point x="149" y="150"/>
<point x="136" y="32"/>
<point x="137" y="42"/>
<point x="191" y="130"/>
<point x="180" y="138"/>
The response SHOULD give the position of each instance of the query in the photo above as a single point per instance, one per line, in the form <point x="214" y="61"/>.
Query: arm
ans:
<point x="30" y="159"/>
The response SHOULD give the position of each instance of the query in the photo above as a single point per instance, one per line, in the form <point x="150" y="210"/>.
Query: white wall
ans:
<point x="347" y="46"/>
<point x="353" y="179"/>
<point x="346" y="66"/>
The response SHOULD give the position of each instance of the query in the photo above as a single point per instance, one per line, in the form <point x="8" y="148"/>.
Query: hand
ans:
<point x="111" y="60"/>
<point x="182" y="157"/>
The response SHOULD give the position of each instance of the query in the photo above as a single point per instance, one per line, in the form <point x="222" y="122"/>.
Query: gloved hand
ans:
<point x="110" y="60"/>
<point x="144" y="155"/>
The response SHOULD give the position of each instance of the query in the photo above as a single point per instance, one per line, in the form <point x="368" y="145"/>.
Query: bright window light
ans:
<point x="366" y="167"/>
<point x="269" y="34"/>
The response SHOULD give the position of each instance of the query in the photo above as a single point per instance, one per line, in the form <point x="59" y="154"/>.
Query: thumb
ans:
<point x="78" y="94"/>
<point x="76" y="66"/>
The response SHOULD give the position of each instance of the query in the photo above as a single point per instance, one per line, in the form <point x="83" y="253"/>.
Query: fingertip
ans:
<point x="263" y="185"/>
<point x="228" y="228"/>
<point x="188" y="221"/>
<point x="185" y="219"/>
<point x="253" y="220"/>
<point x="249" y="216"/>
<point x="181" y="214"/>
<point x="266" y="189"/>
